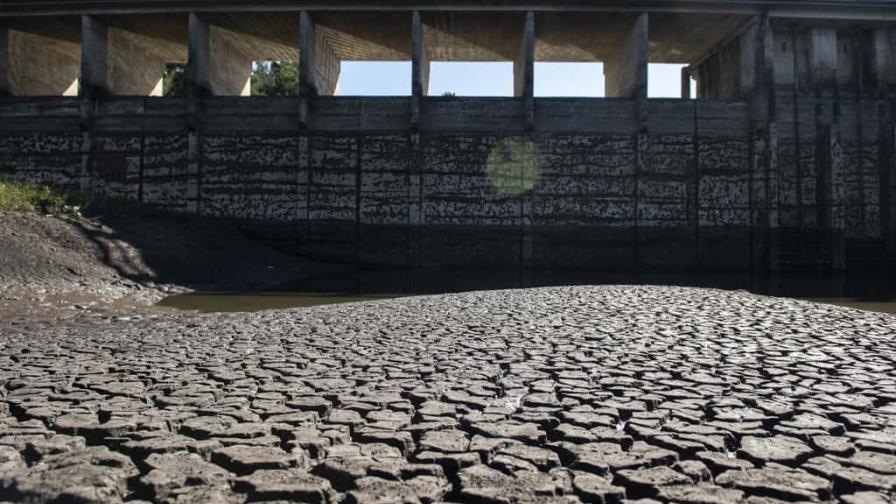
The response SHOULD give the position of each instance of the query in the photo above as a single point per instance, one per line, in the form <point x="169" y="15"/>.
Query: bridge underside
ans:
<point x="787" y="155"/>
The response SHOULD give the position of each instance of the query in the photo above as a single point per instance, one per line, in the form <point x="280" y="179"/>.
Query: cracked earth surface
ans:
<point x="591" y="394"/>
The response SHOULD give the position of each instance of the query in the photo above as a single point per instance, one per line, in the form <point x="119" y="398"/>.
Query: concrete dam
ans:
<point x="783" y="159"/>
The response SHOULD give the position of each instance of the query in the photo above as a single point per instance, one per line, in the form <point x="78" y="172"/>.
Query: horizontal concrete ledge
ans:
<point x="612" y="116"/>
<point x="811" y="8"/>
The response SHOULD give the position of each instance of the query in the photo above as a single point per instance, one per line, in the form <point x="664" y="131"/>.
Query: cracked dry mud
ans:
<point x="592" y="394"/>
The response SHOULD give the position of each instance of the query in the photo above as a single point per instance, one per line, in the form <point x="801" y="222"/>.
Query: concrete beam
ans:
<point x="215" y="66"/>
<point x="33" y="64"/>
<point x="319" y="67"/>
<point x="872" y="10"/>
<point x="524" y="64"/>
<point x="626" y="70"/>
<point x="420" y="63"/>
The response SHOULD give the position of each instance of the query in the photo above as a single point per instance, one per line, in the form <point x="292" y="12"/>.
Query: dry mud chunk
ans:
<point x="10" y="460"/>
<point x="484" y="484"/>
<point x="593" y="488"/>
<point x="780" y="449"/>
<point x="93" y="474"/>
<point x="284" y="484"/>
<point x="646" y="482"/>
<point x="541" y="458"/>
<point x="700" y="494"/>
<point x="450" y="441"/>
<point x="777" y="482"/>
<point x="172" y="475"/>
<point x="242" y="459"/>
<point x="418" y="489"/>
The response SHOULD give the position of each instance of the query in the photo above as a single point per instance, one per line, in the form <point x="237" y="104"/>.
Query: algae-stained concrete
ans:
<point x="359" y="186"/>
<point x="568" y="394"/>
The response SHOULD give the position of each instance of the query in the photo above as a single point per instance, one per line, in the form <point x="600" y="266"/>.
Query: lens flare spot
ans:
<point x="513" y="166"/>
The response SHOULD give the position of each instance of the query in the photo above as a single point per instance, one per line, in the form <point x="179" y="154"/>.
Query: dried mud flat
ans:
<point x="592" y="394"/>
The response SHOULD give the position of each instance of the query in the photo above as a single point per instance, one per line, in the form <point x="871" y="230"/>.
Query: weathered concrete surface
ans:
<point x="359" y="185"/>
<point x="549" y="395"/>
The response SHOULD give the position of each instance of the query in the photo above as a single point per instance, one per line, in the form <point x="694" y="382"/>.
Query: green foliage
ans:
<point x="275" y="78"/>
<point x="16" y="197"/>
<point x="269" y="78"/>
<point x="174" y="80"/>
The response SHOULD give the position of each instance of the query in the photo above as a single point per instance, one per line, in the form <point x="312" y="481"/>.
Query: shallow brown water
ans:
<point x="871" y="292"/>
<point x="248" y="302"/>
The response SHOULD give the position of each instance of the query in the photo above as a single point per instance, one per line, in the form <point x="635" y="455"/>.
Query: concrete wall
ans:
<point x="825" y="105"/>
<point x="591" y="186"/>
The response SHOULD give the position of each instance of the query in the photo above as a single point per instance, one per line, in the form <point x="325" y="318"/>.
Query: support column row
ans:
<point x="113" y="56"/>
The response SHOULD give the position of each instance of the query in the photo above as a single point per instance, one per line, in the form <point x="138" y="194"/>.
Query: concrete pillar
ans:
<point x="882" y="65"/>
<point x="524" y="71"/>
<point x="34" y="64"/>
<point x="307" y="72"/>
<point x="319" y="67"/>
<point x="216" y="66"/>
<point x="686" y="83"/>
<point x="524" y="64"/>
<point x="198" y="73"/>
<point x="419" y="58"/>
<point x="883" y="58"/>
<point x="626" y="70"/>
<point x="764" y="190"/>
<point x="5" y="84"/>
<point x="93" y="58"/>
<point x="830" y="165"/>
<point x="419" y="68"/>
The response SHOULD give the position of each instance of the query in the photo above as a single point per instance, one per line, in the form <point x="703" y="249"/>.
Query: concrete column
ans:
<point x="307" y="72"/>
<point x="764" y="190"/>
<point x="822" y="67"/>
<point x="626" y="70"/>
<point x="198" y="73"/>
<point x="419" y="58"/>
<point x="686" y="83"/>
<point x="524" y="64"/>
<point x="883" y="58"/>
<point x="5" y="83"/>
<point x="419" y="68"/>
<point x="882" y="63"/>
<point x="319" y="67"/>
<point x="215" y="65"/>
<point x="93" y="58"/>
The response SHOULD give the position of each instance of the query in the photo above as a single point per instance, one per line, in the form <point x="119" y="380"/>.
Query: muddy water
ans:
<point x="865" y="292"/>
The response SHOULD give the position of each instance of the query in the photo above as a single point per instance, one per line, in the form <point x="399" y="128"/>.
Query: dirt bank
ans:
<point x="133" y="259"/>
